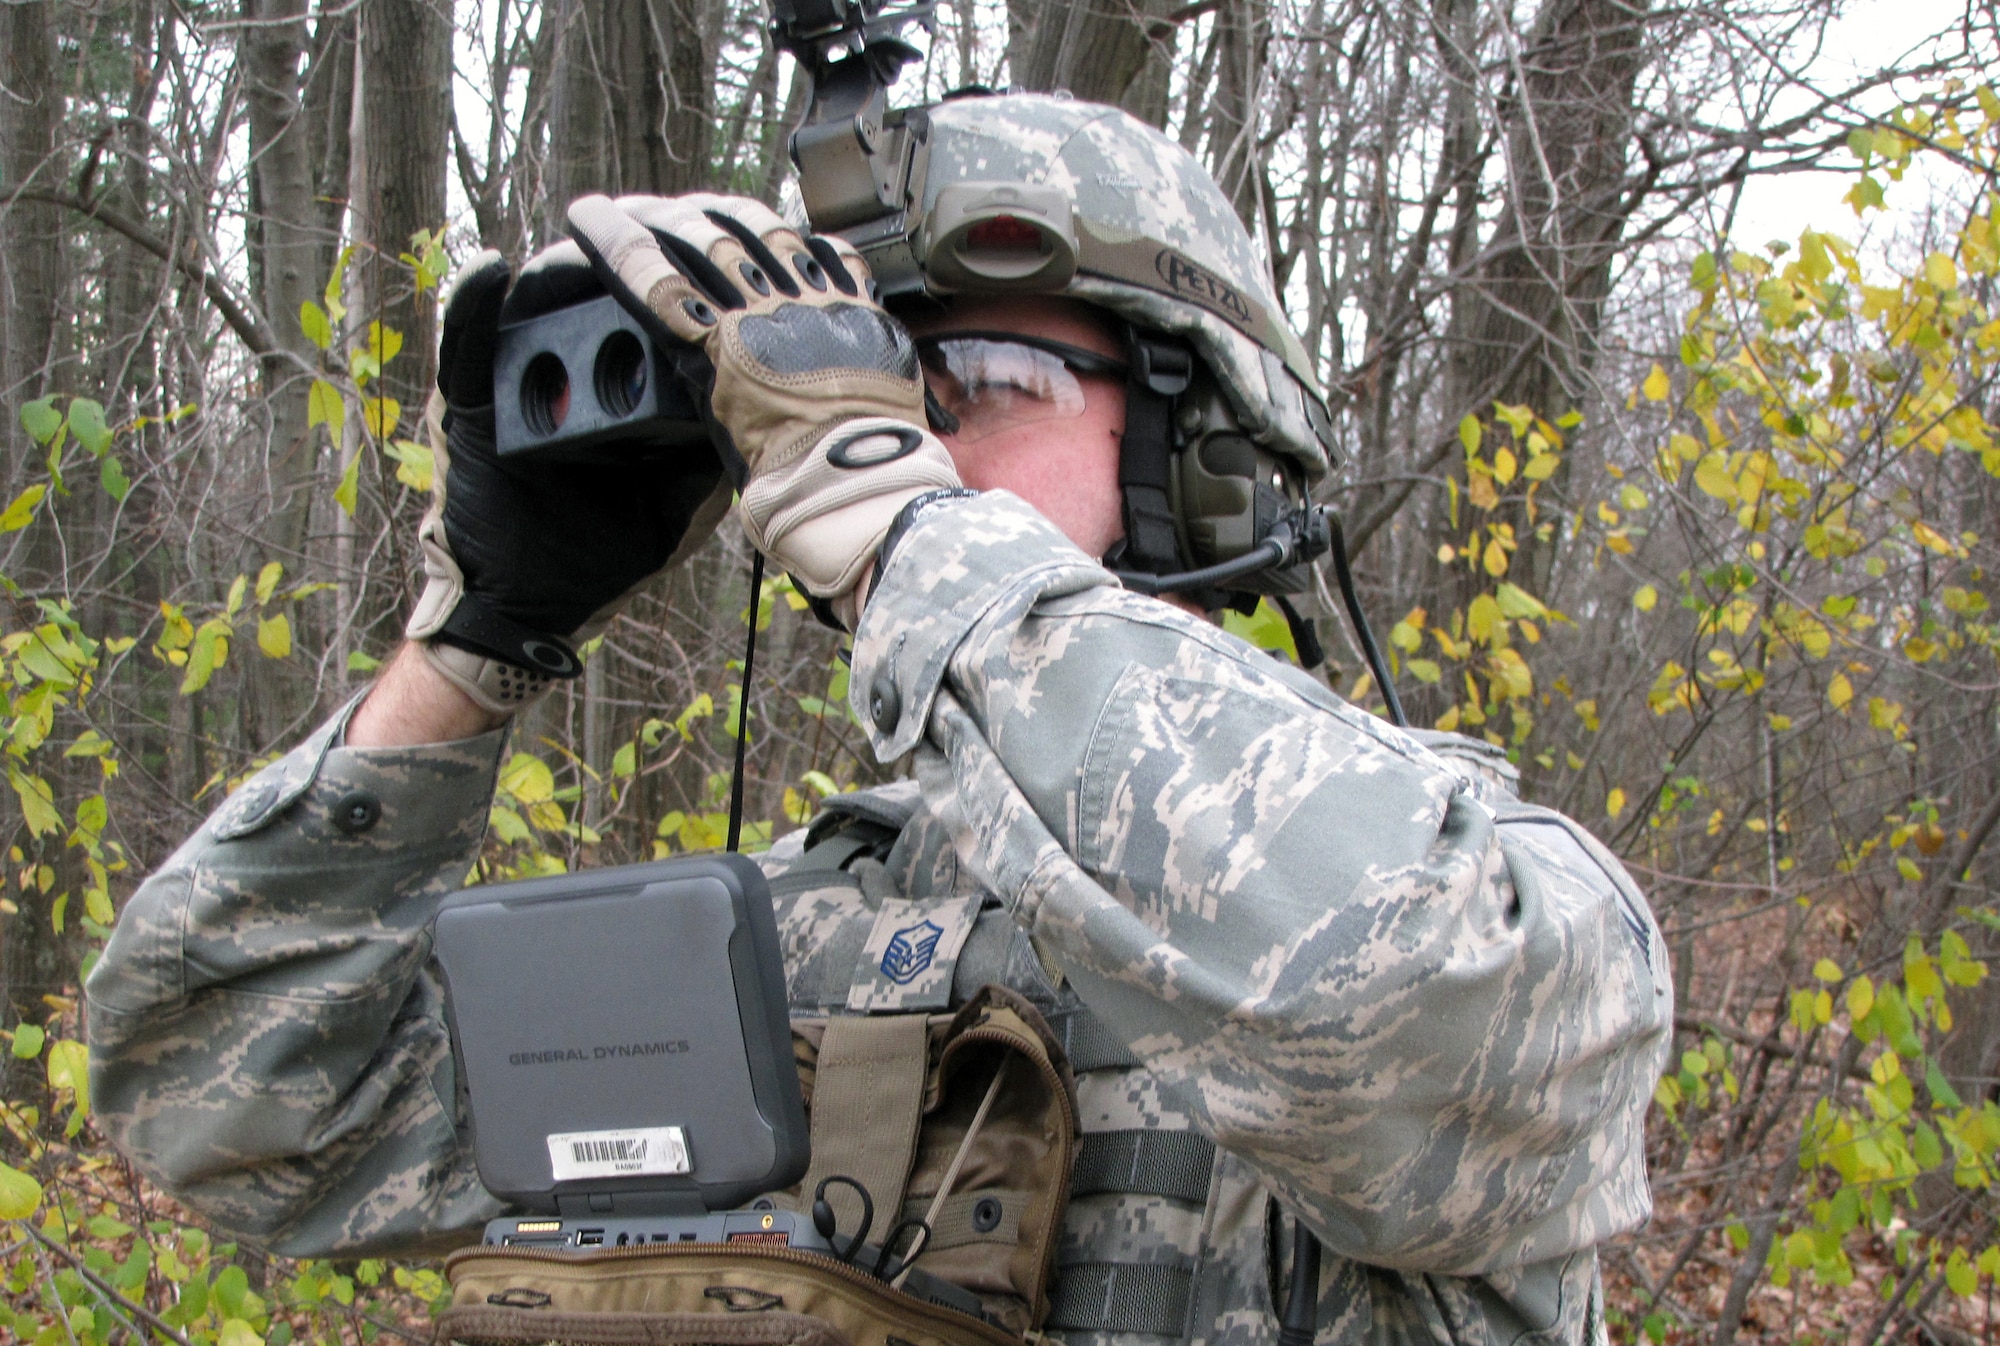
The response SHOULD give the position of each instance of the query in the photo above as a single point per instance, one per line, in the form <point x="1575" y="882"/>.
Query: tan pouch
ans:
<point x="752" y="1295"/>
<point x="891" y="1098"/>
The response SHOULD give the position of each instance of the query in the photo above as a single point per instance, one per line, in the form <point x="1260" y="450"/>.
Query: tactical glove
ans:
<point x="817" y="390"/>
<point x="524" y="561"/>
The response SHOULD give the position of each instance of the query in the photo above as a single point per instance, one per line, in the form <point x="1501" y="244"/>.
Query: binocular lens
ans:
<point x="621" y="373"/>
<point x="545" y="394"/>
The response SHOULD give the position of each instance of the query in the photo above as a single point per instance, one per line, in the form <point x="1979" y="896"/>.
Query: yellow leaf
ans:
<point x="1645" y="598"/>
<point x="19" y="1193"/>
<point x="1827" y="970"/>
<point x="1931" y="538"/>
<point x="415" y="464"/>
<point x="1840" y="691"/>
<point x="267" y="580"/>
<point x="1712" y="475"/>
<point x="1656" y="386"/>
<point x="236" y="1332"/>
<point x="22" y="511"/>
<point x="380" y="415"/>
<point x="1505" y="465"/>
<point x="274" y="636"/>
<point x="1940" y="272"/>
<point x="528" y="779"/>
<point x="1469" y="434"/>
<point x="1860" y="998"/>
<point x="1482" y="617"/>
<point x="1614" y="803"/>
<point x="1494" y="558"/>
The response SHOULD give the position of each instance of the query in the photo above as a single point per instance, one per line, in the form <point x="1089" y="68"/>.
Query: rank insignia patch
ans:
<point x="910" y="951"/>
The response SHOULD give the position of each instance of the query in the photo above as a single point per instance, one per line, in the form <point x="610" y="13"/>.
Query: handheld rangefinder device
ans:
<point x="623" y="1044"/>
<point x="567" y="381"/>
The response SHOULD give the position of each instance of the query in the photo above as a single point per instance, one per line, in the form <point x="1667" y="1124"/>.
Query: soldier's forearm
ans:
<point x="412" y="704"/>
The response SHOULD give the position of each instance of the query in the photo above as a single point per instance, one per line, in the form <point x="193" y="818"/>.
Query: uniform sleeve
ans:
<point x="267" y="1041"/>
<point x="1428" y="1015"/>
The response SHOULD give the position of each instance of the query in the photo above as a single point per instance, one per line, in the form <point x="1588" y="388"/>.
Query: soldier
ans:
<point x="1302" y="961"/>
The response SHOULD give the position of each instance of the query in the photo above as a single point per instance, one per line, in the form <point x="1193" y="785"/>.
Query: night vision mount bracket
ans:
<point x="861" y="163"/>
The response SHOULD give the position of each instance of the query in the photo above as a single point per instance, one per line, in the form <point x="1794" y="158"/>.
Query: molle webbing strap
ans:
<point x="1147" y="1297"/>
<point x="1088" y="1043"/>
<point x="1175" y="1164"/>
<point x="868" y="1096"/>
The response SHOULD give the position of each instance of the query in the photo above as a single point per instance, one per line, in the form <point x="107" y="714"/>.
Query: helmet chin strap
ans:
<point x="1158" y="371"/>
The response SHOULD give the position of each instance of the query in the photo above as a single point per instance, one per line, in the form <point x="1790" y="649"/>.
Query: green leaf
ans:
<point x="21" y="512"/>
<point x="267" y="580"/>
<point x="209" y="652"/>
<point x="97" y="906"/>
<point x="86" y="422"/>
<point x="19" y="1193"/>
<point x="507" y="824"/>
<point x="1960" y="1275"/>
<point x="69" y="1068"/>
<point x="38" y="802"/>
<point x="324" y="407"/>
<point x="111" y="475"/>
<point x="415" y="464"/>
<point x="334" y="307"/>
<point x="1265" y="628"/>
<point x="313" y="321"/>
<point x="41" y="419"/>
<point x="626" y="760"/>
<point x="361" y="662"/>
<point x="348" y="493"/>
<point x="1940" y="1088"/>
<point x="1469" y="433"/>
<point x="28" y="1039"/>
<point x="1516" y="602"/>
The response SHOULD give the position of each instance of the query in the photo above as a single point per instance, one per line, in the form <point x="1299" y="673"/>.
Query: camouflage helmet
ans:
<point x="1132" y="223"/>
<point x="1156" y="242"/>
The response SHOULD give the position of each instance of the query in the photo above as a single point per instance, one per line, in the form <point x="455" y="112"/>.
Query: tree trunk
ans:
<point x="286" y="248"/>
<point x="34" y="960"/>
<point x="404" y="98"/>
<point x="632" y="103"/>
<point x="31" y="252"/>
<point x="1525" y="329"/>
<point x="1101" y="51"/>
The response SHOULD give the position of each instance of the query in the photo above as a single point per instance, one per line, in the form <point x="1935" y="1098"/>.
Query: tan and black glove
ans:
<point x="817" y="390"/>
<point x="526" y="560"/>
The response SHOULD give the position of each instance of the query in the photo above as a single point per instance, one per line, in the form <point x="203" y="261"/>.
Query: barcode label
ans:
<point x="618" y="1154"/>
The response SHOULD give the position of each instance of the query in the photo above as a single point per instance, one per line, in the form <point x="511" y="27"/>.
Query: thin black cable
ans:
<point x="743" y="702"/>
<point x="1376" y="663"/>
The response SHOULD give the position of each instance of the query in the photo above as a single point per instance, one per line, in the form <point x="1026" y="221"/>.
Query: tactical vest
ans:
<point x="910" y="991"/>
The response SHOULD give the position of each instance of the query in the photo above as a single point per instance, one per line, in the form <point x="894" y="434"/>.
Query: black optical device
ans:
<point x="623" y="1043"/>
<point x="567" y="382"/>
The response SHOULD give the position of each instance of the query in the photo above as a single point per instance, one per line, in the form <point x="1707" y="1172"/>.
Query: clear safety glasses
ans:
<point x="995" y="381"/>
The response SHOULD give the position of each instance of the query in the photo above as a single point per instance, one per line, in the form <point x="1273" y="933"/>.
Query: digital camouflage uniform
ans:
<point x="1302" y="962"/>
